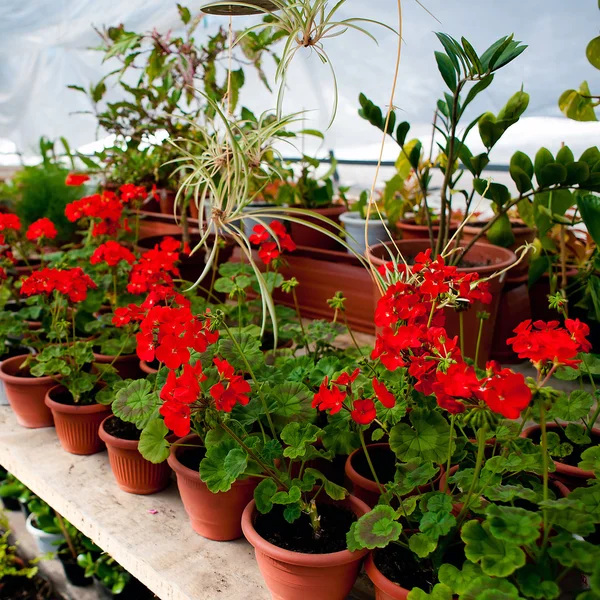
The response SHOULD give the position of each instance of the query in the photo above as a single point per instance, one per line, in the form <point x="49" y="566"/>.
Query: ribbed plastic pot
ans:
<point x="26" y="394"/>
<point x="127" y="365"/>
<point x="77" y="426"/>
<point x="133" y="473"/>
<point x="46" y="542"/>
<point x="298" y="576"/>
<point x="385" y="589"/>
<point x="214" y="516"/>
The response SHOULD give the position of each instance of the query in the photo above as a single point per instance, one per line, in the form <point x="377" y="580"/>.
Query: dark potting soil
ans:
<point x="155" y="364"/>
<point x="298" y="536"/>
<point x="63" y="396"/>
<point x="191" y="457"/>
<point x="399" y="566"/>
<point x="575" y="457"/>
<point x="122" y="430"/>
<point x="383" y="460"/>
<point x="21" y="588"/>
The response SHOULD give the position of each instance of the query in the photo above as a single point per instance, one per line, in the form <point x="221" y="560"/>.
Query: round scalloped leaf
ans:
<point x="376" y="529"/>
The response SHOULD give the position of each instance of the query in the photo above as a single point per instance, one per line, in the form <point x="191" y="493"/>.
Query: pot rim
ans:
<point x="561" y="467"/>
<point x="117" y="442"/>
<point x="72" y="409"/>
<point x="24" y="381"/>
<point x="40" y="532"/>
<point x="355" y="476"/>
<point x="146" y="368"/>
<point x="509" y="256"/>
<point x="298" y="558"/>
<point x="516" y="223"/>
<point x="101" y="358"/>
<point x="380" y="581"/>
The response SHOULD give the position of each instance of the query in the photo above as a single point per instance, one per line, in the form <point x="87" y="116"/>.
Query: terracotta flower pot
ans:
<point x="134" y="474"/>
<point x="166" y="201"/>
<point x="26" y="394"/>
<point x="77" y="426"/>
<point x="127" y="365"/>
<point x="385" y="589"/>
<point x="214" y="516"/>
<point x="410" y="230"/>
<point x="522" y="235"/>
<point x="146" y="368"/>
<point x="492" y="259"/>
<point x="366" y="489"/>
<point x="298" y="576"/>
<point x="308" y="237"/>
<point x="572" y="477"/>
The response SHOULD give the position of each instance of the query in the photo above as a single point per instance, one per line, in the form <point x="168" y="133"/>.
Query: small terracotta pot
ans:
<point x="308" y="237"/>
<point x="134" y="474"/>
<point x="573" y="477"/>
<point x="298" y="576"/>
<point x="77" y="426"/>
<point x="167" y="202"/>
<point x="146" y="368"/>
<point x="409" y="230"/>
<point x="493" y="259"/>
<point x="385" y="589"/>
<point x="127" y="365"/>
<point x="214" y="516"/>
<point x="26" y="394"/>
<point x="366" y="489"/>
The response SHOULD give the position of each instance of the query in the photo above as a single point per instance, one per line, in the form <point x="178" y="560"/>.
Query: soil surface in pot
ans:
<point x="122" y="430"/>
<point x="21" y="588"/>
<point x="12" y="351"/>
<point x="575" y="457"/>
<point x="63" y="396"/>
<point x="298" y="536"/>
<point x="399" y="566"/>
<point x="191" y="457"/>
<point x="384" y="461"/>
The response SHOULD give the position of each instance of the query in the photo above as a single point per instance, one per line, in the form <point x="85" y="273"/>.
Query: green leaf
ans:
<point x="437" y="524"/>
<point x="578" y="104"/>
<point x="515" y="525"/>
<point x="533" y="585"/>
<point x="298" y="437"/>
<point x="590" y="460"/>
<point x="552" y="174"/>
<point x="137" y="403"/>
<point x="290" y="497"/>
<point x="593" y="52"/>
<point x="422" y="545"/>
<point x="459" y="581"/>
<point x="498" y="558"/>
<point x="249" y="348"/>
<point x="447" y="70"/>
<point x="376" y="529"/>
<point x="577" y="434"/>
<point x="291" y="402"/>
<point x="184" y="14"/>
<point x="152" y="445"/>
<point x="222" y="466"/>
<point x="589" y="207"/>
<point x="573" y="407"/>
<point x="263" y="495"/>
<point x="501" y="232"/>
<point x="292" y="512"/>
<point x="439" y="592"/>
<point x="496" y="192"/>
<point x="427" y="439"/>
<point x="543" y="157"/>
<point x="577" y="173"/>
<point x="402" y="132"/>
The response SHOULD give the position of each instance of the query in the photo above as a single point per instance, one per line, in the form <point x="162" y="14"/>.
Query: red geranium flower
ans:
<point x="383" y="394"/>
<point x="506" y="393"/>
<point x="329" y="399"/>
<point x="112" y="253"/>
<point x="347" y="378"/>
<point x="177" y="417"/>
<point x="364" y="412"/>
<point x="172" y="352"/>
<point x="268" y="252"/>
<point x="75" y="180"/>
<point x="42" y="228"/>
<point x="236" y="391"/>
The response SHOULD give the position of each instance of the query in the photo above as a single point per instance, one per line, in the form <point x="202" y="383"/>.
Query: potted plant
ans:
<point x="43" y="526"/>
<point x="11" y="489"/>
<point x="76" y="544"/>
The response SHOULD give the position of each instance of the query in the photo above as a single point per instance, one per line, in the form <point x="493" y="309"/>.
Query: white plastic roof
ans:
<point x="44" y="46"/>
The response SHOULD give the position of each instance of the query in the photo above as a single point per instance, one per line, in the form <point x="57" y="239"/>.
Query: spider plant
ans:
<point x="222" y="175"/>
<point x="303" y="24"/>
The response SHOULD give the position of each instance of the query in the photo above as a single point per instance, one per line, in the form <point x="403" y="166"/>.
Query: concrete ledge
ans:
<point x="160" y="549"/>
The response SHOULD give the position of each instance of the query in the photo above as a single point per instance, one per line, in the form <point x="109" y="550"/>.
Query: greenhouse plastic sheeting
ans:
<point x="45" y="46"/>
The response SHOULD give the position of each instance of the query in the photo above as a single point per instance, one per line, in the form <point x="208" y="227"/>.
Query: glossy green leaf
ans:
<point x="589" y="208"/>
<point x="501" y="232"/>
<point x="297" y="437"/>
<point x="153" y="445"/>
<point x="593" y="52"/>
<point x="514" y="525"/>
<point x="263" y="495"/>
<point x="446" y="69"/>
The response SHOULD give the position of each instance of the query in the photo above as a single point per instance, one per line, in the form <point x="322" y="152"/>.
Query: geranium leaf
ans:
<point x="222" y="465"/>
<point x="136" y="403"/>
<point x="533" y="585"/>
<point x="334" y="491"/>
<point x="249" y="348"/>
<point x="439" y="592"/>
<point x="298" y="437"/>
<point x="152" y="445"/>
<point x="428" y="438"/>
<point x="437" y="524"/>
<point x="590" y="460"/>
<point x="577" y="434"/>
<point x="292" y="512"/>
<point x="573" y="407"/>
<point x="459" y="580"/>
<point x="376" y="529"/>
<point x="498" y="558"/>
<point x="263" y="495"/>
<point x="515" y="525"/>
<point x="291" y="402"/>
<point x="422" y="545"/>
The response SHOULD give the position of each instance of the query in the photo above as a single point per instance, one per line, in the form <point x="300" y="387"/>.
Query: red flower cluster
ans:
<point x="75" y="180"/>
<point x="105" y="209"/>
<point x="547" y="343"/>
<point x="236" y="390"/>
<point x="73" y="283"/>
<point x="155" y="267"/>
<point x="42" y="228"/>
<point x="9" y="221"/>
<point x="130" y="191"/>
<point x="112" y="253"/>
<point x="269" y="249"/>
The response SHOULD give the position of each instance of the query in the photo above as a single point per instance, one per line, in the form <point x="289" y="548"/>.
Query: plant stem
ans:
<point x="299" y="314"/>
<point x="461" y="324"/>
<point x="452" y="417"/>
<point x="63" y="528"/>
<point x="545" y="462"/>
<point x="478" y="465"/>
<point x="256" y="384"/>
<point x="477" y="347"/>
<point x="369" y="462"/>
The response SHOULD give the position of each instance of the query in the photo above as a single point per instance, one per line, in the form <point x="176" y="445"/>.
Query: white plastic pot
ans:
<point x="354" y="225"/>
<point x="46" y="542"/>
